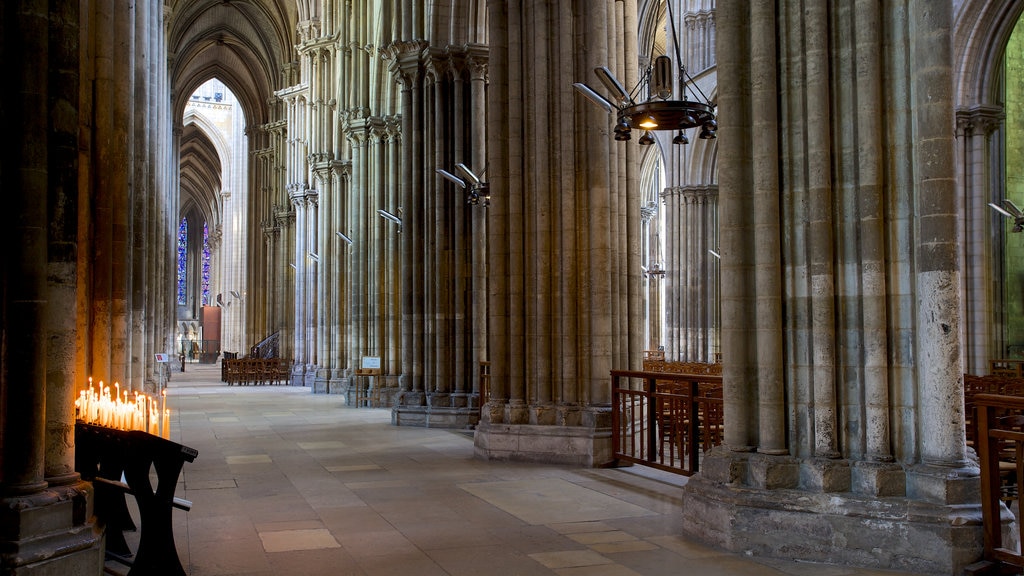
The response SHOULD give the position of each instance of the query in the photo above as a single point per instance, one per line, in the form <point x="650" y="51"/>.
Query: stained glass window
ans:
<point x="182" y="259"/>
<point x="206" y="264"/>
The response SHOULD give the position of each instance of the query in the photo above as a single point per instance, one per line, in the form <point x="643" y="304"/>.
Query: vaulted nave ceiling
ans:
<point x="247" y="45"/>
<point x="200" y="173"/>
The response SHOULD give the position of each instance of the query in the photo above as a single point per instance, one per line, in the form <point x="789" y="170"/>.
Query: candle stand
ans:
<point x="102" y="455"/>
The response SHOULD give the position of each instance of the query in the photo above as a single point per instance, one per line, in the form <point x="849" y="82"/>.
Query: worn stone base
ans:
<point x="435" y="416"/>
<point x="566" y="445"/>
<point x="934" y="535"/>
<point x="51" y="534"/>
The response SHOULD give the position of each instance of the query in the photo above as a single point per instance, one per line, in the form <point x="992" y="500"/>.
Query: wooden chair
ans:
<point x="230" y="368"/>
<point x="284" y="367"/>
<point x="1011" y="458"/>
<point x="712" y="422"/>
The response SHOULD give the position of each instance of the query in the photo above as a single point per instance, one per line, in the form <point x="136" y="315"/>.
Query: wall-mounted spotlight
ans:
<point x="715" y="254"/>
<point x="314" y="257"/>
<point x="654" y="271"/>
<point x="389" y="216"/>
<point x="1012" y="212"/>
<point x="293" y="266"/>
<point x="344" y="238"/>
<point x="236" y="294"/>
<point x="477" y="191"/>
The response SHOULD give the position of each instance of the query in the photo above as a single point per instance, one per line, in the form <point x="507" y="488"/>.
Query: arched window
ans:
<point x="182" y="260"/>
<point x="206" y="264"/>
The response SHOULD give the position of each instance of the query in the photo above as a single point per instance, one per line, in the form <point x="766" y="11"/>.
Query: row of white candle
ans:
<point x="114" y="409"/>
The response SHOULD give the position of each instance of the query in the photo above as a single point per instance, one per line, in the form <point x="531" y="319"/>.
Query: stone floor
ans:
<point x="288" y="483"/>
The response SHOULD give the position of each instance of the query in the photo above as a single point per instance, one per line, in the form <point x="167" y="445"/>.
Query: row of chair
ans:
<point x="1004" y="381"/>
<point x="256" y="371"/>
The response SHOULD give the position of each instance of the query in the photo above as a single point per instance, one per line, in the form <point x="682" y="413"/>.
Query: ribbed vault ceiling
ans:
<point x="247" y="45"/>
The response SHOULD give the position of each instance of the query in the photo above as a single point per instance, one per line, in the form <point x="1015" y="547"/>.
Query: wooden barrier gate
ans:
<point x="669" y="422"/>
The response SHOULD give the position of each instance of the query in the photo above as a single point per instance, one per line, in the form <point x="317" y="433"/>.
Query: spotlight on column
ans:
<point x="314" y="257"/>
<point x="293" y="266"/>
<point x="477" y="191"/>
<point x="713" y="253"/>
<point x="1011" y="211"/>
<point x="344" y="238"/>
<point x="391" y="217"/>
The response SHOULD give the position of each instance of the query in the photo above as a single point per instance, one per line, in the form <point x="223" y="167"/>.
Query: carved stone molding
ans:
<point x="981" y="119"/>
<point x="648" y="211"/>
<point x="692" y="194"/>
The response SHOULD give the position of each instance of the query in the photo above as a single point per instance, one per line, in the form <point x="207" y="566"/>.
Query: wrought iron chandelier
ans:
<point x="659" y="111"/>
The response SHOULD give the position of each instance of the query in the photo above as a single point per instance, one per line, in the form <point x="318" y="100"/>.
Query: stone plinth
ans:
<point x="932" y="535"/>
<point x="566" y="445"/>
<point x="51" y="533"/>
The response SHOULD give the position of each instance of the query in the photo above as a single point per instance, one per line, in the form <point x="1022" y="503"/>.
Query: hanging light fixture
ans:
<point x="659" y="111"/>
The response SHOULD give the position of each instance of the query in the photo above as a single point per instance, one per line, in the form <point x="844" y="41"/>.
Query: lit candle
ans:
<point x="167" y="424"/>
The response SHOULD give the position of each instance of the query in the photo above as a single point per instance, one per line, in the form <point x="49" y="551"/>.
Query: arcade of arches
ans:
<point x="212" y="171"/>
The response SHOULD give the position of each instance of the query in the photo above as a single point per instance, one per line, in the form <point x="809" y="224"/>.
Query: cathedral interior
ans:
<point x="460" y="198"/>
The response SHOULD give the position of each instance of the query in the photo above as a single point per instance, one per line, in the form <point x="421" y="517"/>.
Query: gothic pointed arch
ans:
<point x="981" y="34"/>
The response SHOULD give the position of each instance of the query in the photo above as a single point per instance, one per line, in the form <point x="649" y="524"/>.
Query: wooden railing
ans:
<point x="1000" y="438"/>
<point x="269" y="347"/>
<point x="1007" y="367"/>
<point x="665" y="420"/>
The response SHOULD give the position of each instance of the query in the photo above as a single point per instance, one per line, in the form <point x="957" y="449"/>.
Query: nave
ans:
<point x="288" y="483"/>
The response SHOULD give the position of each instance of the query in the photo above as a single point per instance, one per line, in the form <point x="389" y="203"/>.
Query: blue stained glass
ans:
<point x="182" y="259"/>
<point x="206" y="264"/>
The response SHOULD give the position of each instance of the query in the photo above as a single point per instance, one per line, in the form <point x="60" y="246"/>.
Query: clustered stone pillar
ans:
<point x="84" y="191"/>
<point x="444" y="310"/>
<point x="840" y="287"/>
<point x="691" y="273"/>
<point x="564" y="283"/>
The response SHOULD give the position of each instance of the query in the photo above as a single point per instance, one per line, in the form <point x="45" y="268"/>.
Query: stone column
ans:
<point x="41" y="497"/>
<point x="938" y="274"/>
<point x="340" y="298"/>
<point x="392" y="252"/>
<point x="839" y="248"/>
<point x="437" y="243"/>
<point x="462" y="316"/>
<point x="406" y="71"/>
<point x="362" y="212"/>
<point x="981" y="252"/>
<point x="25" y="174"/>
<point x="563" y="277"/>
<point x="299" y="264"/>
<point x="102" y="170"/>
<point x="138" y="356"/>
<point x="61" y="205"/>
<point x="477" y="65"/>
<point x="312" y="200"/>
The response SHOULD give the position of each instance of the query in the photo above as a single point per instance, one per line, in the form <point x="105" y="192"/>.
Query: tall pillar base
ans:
<point x="436" y="410"/>
<point x="935" y="534"/>
<point x="51" y="533"/>
<point x="584" y="446"/>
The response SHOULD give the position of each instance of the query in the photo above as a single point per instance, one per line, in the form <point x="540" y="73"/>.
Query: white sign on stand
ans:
<point x="371" y="362"/>
<point x="161" y="359"/>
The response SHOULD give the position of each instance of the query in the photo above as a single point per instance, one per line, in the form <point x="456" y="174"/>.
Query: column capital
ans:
<point x="980" y="119"/>
<point x="477" y="59"/>
<point x="405" y="62"/>
<point x="648" y="211"/>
